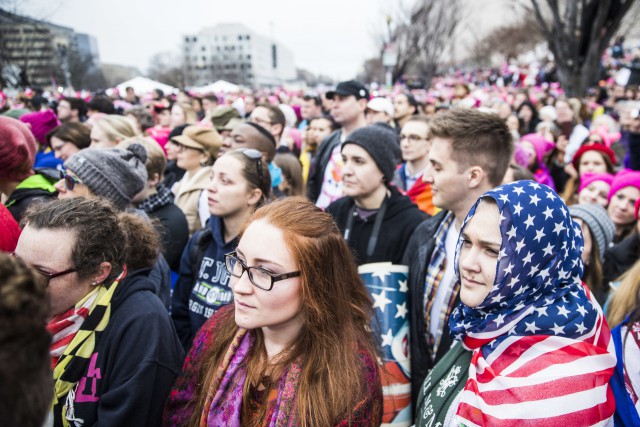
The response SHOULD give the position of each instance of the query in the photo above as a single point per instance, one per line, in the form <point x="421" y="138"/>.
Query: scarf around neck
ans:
<point x="75" y="358"/>
<point x="223" y="406"/>
<point x="542" y="353"/>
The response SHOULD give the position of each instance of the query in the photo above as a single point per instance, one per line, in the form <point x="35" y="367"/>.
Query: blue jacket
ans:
<point x="201" y="289"/>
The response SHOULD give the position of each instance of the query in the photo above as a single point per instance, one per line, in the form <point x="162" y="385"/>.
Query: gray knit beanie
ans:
<point x="601" y="227"/>
<point x="382" y="145"/>
<point x="115" y="174"/>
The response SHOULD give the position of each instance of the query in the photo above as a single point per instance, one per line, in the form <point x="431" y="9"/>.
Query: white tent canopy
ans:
<point x="142" y="86"/>
<point x="217" y="87"/>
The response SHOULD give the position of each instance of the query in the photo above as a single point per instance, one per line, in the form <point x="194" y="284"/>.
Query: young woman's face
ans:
<point x="360" y="175"/>
<point x="189" y="158"/>
<point x="172" y="150"/>
<point x="596" y="192"/>
<point x="528" y="148"/>
<point x="62" y="149"/>
<point x="621" y="207"/>
<point x="229" y="192"/>
<point x="478" y="260"/>
<point x="319" y="129"/>
<point x="163" y="118"/>
<point x="100" y="140"/>
<point x="525" y="113"/>
<point x="592" y="161"/>
<point x="278" y="310"/>
<point x="49" y="251"/>
<point x="177" y="116"/>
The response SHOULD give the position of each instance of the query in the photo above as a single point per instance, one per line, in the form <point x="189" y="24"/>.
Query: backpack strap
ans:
<point x="201" y="240"/>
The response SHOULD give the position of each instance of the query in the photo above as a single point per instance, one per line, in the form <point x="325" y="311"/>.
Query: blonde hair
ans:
<point x="116" y="128"/>
<point x="190" y="116"/>
<point x="626" y="298"/>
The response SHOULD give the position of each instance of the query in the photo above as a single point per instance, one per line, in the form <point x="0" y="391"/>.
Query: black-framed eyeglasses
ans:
<point x="49" y="276"/>
<point x="256" y="155"/>
<point x="258" y="276"/>
<point x="260" y="121"/>
<point x="69" y="180"/>
<point x="412" y="138"/>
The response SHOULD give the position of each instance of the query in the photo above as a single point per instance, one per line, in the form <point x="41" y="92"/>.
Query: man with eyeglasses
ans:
<point x="415" y="145"/>
<point x="271" y="118"/>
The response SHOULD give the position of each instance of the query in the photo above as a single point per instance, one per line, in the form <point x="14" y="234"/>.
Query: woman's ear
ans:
<point x="254" y="197"/>
<point x="104" y="269"/>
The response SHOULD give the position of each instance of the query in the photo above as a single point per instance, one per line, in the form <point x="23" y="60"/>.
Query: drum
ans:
<point x="387" y="285"/>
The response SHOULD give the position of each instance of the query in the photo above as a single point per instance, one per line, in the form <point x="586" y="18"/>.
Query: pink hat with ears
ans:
<point x="589" y="177"/>
<point x="541" y="145"/>
<point x="606" y="137"/>
<point x="624" y="178"/>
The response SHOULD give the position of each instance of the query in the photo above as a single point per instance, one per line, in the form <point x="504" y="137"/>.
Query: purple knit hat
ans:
<point x="41" y="122"/>
<point x="590" y="177"/>
<point x="624" y="178"/>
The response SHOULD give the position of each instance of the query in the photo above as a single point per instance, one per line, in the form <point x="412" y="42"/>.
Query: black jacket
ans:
<point x="400" y="220"/>
<point x="417" y="257"/>
<point x="174" y="232"/>
<point x="135" y="361"/>
<point x="619" y="258"/>
<point x="319" y="164"/>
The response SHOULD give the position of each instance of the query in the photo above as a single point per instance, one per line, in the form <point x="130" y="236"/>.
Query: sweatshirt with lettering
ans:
<point x="203" y="288"/>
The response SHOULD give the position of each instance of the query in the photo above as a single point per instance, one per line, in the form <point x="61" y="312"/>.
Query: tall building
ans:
<point x="38" y="53"/>
<point x="235" y="53"/>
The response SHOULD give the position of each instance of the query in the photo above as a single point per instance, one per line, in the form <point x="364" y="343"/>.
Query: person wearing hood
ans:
<point x="532" y="346"/>
<point x="375" y="219"/>
<point x="114" y="351"/>
<point x="238" y="185"/>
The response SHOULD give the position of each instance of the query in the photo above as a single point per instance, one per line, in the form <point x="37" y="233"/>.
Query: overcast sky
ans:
<point x="332" y="37"/>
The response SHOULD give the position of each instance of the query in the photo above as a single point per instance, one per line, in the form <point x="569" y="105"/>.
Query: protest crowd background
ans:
<point x="465" y="253"/>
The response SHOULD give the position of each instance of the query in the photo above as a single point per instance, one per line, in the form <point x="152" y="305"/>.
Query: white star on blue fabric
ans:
<point x="529" y="221"/>
<point x="557" y="329"/>
<point x="401" y="310"/>
<point x="535" y="199"/>
<point x="518" y="209"/>
<point x="548" y="213"/>
<point x="531" y="327"/>
<point x="387" y="339"/>
<point x="380" y="300"/>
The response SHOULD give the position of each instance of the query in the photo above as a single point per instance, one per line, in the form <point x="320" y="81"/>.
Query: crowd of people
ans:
<point x="195" y="258"/>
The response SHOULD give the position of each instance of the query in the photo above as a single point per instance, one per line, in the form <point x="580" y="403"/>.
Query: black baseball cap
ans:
<point x="350" y="87"/>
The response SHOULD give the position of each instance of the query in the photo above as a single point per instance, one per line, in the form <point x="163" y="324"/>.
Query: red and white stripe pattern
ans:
<point x="542" y="381"/>
<point x="64" y="327"/>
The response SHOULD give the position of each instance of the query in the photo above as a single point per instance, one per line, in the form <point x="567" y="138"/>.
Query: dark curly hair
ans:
<point x="26" y="382"/>
<point x="102" y="234"/>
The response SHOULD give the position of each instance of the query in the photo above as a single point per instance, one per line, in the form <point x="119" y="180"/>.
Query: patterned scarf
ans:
<point x="542" y="353"/>
<point x="64" y="326"/>
<point x="75" y="358"/>
<point x="223" y="406"/>
<point x="163" y="197"/>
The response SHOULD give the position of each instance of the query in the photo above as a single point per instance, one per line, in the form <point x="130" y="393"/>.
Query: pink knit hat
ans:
<point x="606" y="137"/>
<point x="624" y="178"/>
<point x="637" y="208"/>
<point x="540" y="144"/>
<point x="17" y="150"/>
<point x="590" y="177"/>
<point x="41" y="123"/>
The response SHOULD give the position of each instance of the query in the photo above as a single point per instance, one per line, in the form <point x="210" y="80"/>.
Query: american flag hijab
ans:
<point x="542" y="353"/>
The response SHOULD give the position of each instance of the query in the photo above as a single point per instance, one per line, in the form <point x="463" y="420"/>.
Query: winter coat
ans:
<point x="188" y="192"/>
<point x="135" y="361"/>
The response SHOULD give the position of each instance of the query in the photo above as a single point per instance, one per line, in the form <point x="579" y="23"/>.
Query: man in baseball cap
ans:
<point x="349" y="104"/>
